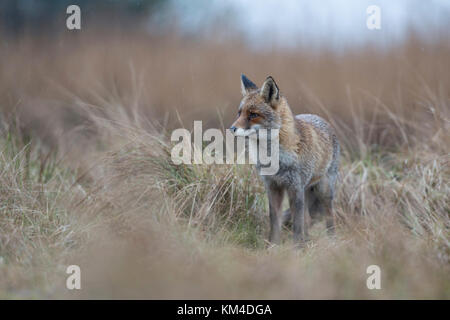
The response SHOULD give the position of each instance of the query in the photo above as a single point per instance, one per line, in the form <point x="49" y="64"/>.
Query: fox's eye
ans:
<point x="253" y="115"/>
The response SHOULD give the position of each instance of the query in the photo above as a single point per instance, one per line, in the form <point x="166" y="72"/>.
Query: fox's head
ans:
<point x="258" y="107"/>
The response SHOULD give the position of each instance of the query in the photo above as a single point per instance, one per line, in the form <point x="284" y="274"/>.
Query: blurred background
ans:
<point x="164" y="57"/>
<point x="267" y="24"/>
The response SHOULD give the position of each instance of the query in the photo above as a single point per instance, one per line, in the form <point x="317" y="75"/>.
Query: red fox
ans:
<point x="308" y="158"/>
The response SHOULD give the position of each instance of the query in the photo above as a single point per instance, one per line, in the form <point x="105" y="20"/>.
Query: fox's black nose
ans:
<point x="233" y="129"/>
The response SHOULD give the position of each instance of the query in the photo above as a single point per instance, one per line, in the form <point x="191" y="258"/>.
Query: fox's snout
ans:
<point x="241" y="127"/>
<point x="242" y="132"/>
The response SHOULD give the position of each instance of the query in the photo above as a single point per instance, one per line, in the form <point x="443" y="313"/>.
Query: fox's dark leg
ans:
<point x="315" y="209"/>
<point x="296" y="203"/>
<point x="286" y="218"/>
<point x="275" y="195"/>
<point x="325" y="194"/>
<point x="311" y="203"/>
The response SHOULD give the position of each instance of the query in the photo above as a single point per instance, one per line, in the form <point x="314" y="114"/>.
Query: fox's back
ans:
<point x="318" y="143"/>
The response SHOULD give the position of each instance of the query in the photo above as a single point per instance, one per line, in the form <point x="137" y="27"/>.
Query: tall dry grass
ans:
<point x="86" y="176"/>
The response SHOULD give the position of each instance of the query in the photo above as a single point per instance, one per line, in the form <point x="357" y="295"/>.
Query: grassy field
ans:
<point x="86" y="176"/>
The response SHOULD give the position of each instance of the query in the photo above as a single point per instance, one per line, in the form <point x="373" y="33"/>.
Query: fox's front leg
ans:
<point x="275" y="195"/>
<point x="297" y="207"/>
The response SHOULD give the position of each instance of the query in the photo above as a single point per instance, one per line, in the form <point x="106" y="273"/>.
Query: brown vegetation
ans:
<point x="86" y="176"/>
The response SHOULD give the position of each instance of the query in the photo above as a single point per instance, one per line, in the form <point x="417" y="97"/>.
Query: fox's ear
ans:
<point x="246" y="85"/>
<point x="270" y="91"/>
